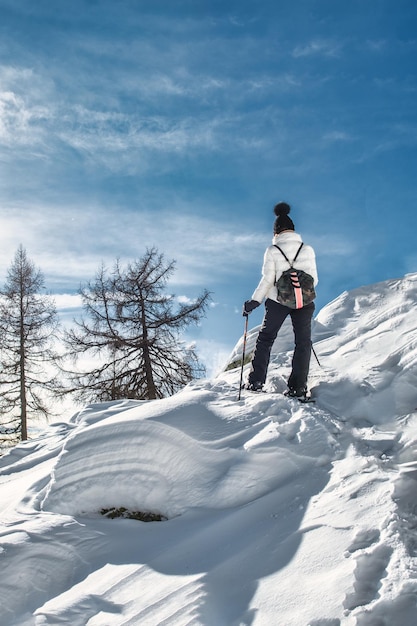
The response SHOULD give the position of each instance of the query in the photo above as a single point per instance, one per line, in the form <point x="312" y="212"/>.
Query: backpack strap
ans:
<point x="298" y="252"/>
<point x="285" y="256"/>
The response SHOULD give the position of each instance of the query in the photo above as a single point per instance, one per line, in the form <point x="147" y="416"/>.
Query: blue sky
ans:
<point x="180" y="123"/>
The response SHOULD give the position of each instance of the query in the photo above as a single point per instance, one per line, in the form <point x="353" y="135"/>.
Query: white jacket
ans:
<point x="274" y="263"/>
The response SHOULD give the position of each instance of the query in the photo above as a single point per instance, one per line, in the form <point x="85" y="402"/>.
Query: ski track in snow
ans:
<point x="279" y="514"/>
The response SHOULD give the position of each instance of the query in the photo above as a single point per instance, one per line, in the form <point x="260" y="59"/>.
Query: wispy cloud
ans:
<point x="34" y="114"/>
<point x="68" y="301"/>
<point x="338" y="135"/>
<point x="376" y="45"/>
<point x="23" y="112"/>
<point x="318" y="47"/>
<point x="69" y="244"/>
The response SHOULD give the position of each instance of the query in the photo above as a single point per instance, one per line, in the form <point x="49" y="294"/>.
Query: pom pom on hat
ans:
<point x="282" y="208"/>
<point x="283" y="221"/>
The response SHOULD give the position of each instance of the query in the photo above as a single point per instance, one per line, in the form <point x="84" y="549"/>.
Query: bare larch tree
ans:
<point x="28" y="373"/>
<point x="127" y="343"/>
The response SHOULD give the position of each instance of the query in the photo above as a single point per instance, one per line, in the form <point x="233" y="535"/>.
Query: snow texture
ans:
<point x="279" y="513"/>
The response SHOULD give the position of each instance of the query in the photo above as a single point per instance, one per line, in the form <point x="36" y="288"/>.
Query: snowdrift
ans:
<point x="278" y="513"/>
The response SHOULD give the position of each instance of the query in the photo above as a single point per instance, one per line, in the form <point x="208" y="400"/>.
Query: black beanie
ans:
<point x="283" y="221"/>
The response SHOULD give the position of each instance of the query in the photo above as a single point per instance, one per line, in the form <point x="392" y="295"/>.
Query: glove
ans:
<point x="249" y="306"/>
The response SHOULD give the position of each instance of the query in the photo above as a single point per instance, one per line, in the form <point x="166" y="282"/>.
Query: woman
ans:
<point x="274" y="265"/>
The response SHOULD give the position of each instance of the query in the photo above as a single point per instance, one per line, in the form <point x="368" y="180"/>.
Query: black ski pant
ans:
<point x="275" y="314"/>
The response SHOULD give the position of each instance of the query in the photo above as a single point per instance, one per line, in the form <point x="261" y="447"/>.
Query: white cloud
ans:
<point x="338" y="135"/>
<point x="67" y="301"/>
<point x="33" y="112"/>
<point x="19" y="121"/>
<point x="376" y="45"/>
<point x="184" y="300"/>
<point x="24" y="106"/>
<point x="69" y="243"/>
<point x="318" y="47"/>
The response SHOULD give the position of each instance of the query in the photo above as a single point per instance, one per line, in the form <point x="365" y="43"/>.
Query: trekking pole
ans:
<point x="245" y="332"/>
<point x="314" y="352"/>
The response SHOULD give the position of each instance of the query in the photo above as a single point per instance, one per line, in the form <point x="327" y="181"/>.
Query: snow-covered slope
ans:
<point x="279" y="514"/>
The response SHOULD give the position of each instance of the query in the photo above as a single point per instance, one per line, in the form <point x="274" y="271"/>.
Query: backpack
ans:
<point x="295" y="288"/>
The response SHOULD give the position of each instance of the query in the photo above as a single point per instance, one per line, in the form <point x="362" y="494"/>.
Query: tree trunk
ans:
<point x="22" y="364"/>
<point x="147" y="363"/>
<point x="23" y="403"/>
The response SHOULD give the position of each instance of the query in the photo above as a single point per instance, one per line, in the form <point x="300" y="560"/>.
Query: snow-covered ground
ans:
<point x="279" y="514"/>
